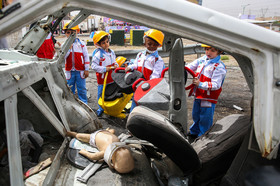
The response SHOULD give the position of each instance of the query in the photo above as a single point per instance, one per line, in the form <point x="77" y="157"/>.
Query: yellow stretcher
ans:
<point x="114" y="108"/>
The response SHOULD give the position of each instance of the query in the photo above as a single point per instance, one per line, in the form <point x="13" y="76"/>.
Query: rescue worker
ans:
<point x="77" y="64"/>
<point x="148" y="62"/>
<point x="103" y="60"/>
<point x="47" y="49"/>
<point x="210" y="74"/>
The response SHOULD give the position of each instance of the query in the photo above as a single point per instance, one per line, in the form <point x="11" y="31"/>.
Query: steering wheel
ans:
<point x="187" y="69"/>
<point x="193" y="75"/>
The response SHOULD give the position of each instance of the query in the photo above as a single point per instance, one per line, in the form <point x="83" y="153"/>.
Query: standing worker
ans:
<point x="210" y="74"/>
<point x="77" y="64"/>
<point x="148" y="62"/>
<point x="47" y="49"/>
<point x="103" y="60"/>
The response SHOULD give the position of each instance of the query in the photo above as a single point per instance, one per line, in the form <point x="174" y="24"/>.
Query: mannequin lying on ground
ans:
<point x="114" y="153"/>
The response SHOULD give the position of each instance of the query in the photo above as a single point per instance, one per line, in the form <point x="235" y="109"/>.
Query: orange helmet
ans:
<point x="73" y="28"/>
<point x="157" y="35"/>
<point x="205" y="46"/>
<point x="120" y="60"/>
<point x="98" y="35"/>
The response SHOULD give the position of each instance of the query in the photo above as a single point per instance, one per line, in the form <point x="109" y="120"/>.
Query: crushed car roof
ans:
<point x="256" y="49"/>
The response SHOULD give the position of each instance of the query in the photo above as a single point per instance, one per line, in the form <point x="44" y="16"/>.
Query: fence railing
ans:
<point x="188" y="50"/>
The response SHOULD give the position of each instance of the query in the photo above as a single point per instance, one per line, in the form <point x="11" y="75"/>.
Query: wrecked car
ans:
<point x="36" y="89"/>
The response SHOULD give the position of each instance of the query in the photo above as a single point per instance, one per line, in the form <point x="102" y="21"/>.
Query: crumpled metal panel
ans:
<point x="178" y="103"/>
<point x="17" y="76"/>
<point x="267" y="105"/>
<point x="14" y="153"/>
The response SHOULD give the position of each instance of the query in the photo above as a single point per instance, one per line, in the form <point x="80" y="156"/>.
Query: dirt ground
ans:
<point x="235" y="89"/>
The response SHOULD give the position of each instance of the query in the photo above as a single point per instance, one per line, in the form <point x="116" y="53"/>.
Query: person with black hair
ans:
<point x="148" y="62"/>
<point x="77" y="64"/>
<point x="103" y="61"/>
<point x="206" y="87"/>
